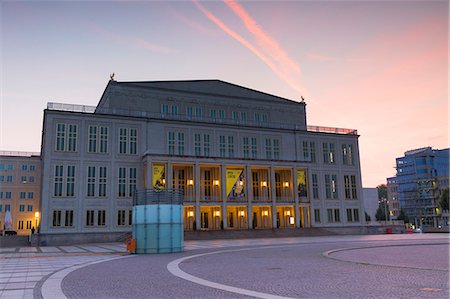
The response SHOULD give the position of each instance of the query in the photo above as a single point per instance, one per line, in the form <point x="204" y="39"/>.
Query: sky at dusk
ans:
<point x="380" y="67"/>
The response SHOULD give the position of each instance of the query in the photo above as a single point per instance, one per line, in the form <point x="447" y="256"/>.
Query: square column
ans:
<point x="197" y="194"/>
<point x="249" y="190"/>
<point x="273" y="196"/>
<point x="295" y="189"/>
<point x="223" y="194"/>
<point x="169" y="176"/>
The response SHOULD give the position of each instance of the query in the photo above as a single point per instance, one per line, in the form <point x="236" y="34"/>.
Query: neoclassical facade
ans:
<point x="243" y="159"/>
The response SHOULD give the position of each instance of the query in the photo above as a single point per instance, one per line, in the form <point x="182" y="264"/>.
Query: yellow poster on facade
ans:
<point x="158" y="176"/>
<point x="235" y="183"/>
<point x="301" y="183"/>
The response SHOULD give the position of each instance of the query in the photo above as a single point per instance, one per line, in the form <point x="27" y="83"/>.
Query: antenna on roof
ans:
<point x="111" y="77"/>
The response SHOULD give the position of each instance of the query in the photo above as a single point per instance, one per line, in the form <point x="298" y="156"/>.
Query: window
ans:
<point x="2" y="166"/>
<point x="23" y="179"/>
<point x="24" y="167"/>
<point x="180" y="143"/>
<point x="23" y="195"/>
<point x="10" y="167"/>
<point x="90" y="218"/>
<point x="1" y="208"/>
<point x="175" y="138"/>
<point x="213" y="114"/>
<point x="1" y="195"/>
<point x="350" y="187"/>
<point x="101" y="218"/>
<point x="276" y="149"/>
<point x="197" y="144"/>
<point x="317" y="215"/>
<point x="222" y="146"/>
<point x="121" y="217"/>
<point x="268" y="149"/>
<point x="7" y="208"/>
<point x="174" y="109"/>
<point x="243" y="116"/>
<point x="72" y="138"/>
<point x="128" y="138"/>
<point x="102" y="181"/>
<point x="246" y="148"/>
<point x="32" y="167"/>
<point x="22" y="208"/>
<point x="60" y="137"/>
<point x="352" y="215"/>
<point x="222" y="114"/>
<point x="171" y="143"/>
<point x="234" y="115"/>
<point x="198" y="112"/>
<point x="96" y="181"/>
<point x="331" y="186"/>
<point x="70" y="181"/>
<point x="30" y="208"/>
<point x="206" y="145"/>
<point x="333" y="215"/>
<point x="329" y="153"/>
<point x="254" y="148"/>
<point x="315" y="186"/>
<point x="189" y="112"/>
<point x="31" y="179"/>
<point x="56" y="218"/>
<point x="347" y="154"/>
<point x="230" y="146"/>
<point x="2" y="178"/>
<point x="29" y="224"/>
<point x="8" y="194"/>
<point x="98" y="139"/>
<point x="164" y="108"/>
<point x="124" y="188"/>
<point x="20" y="224"/>
<point x="91" y="181"/>
<point x="30" y="195"/>
<point x="68" y="220"/>
<point x="9" y="178"/>
<point x="130" y="217"/>
<point x="58" y="181"/>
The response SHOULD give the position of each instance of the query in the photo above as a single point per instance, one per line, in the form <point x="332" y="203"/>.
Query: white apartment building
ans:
<point x="244" y="159"/>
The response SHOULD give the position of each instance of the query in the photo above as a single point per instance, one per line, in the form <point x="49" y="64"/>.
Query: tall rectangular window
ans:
<point x="122" y="181"/>
<point x="312" y="147"/>
<point x="347" y="154"/>
<point x="180" y="143"/>
<point x="101" y="218"/>
<point x="246" y="147"/>
<point x="315" y="186"/>
<point x="60" y="137"/>
<point x="189" y="112"/>
<point x="29" y="224"/>
<point x="268" y="149"/>
<point x="317" y="215"/>
<point x="234" y="115"/>
<point x="91" y="181"/>
<point x="206" y="145"/>
<point x="92" y="139"/>
<point x="337" y="217"/>
<point x="20" y="224"/>
<point x="21" y="208"/>
<point x="133" y="141"/>
<point x="171" y="143"/>
<point x="23" y="195"/>
<point x="56" y="218"/>
<point x="197" y="144"/>
<point x="72" y="138"/>
<point x="231" y="146"/>
<point x="331" y="190"/>
<point x="222" y="146"/>
<point x="103" y="140"/>
<point x="30" y="195"/>
<point x="164" y="108"/>
<point x="132" y="181"/>
<point x="353" y="184"/>
<point x="102" y="181"/>
<point x="276" y="149"/>
<point x="198" y="112"/>
<point x="30" y="208"/>
<point x="90" y="217"/>
<point x="68" y="220"/>
<point x="24" y="167"/>
<point x="350" y="187"/>
<point x="70" y="181"/>
<point x="58" y="181"/>
<point x="243" y="116"/>
<point x="213" y="114"/>
<point x="356" y="215"/>
<point x="254" y="148"/>
<point x="123" y="139"/>
<point x="329" y="153"/>
<point x="121" y="217"/>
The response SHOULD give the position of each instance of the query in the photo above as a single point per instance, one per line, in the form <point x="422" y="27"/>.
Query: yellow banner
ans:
<point x="235" y="183"/>
<point x="301" y="183"/>
<point x="158" y="176"/>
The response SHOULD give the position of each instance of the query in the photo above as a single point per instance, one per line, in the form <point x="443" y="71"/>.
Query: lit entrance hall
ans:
<point x="220" y="196"/>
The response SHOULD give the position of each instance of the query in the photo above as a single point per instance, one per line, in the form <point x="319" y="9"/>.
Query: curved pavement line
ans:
<point x="51" y="288"/>
<point x="328" y="254"/>
<point x="174" y="268"/>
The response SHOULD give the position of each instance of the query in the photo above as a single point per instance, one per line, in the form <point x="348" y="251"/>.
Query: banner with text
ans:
<point x="158" y="176"/>
<point x="301" y="183"/>
<point x="235" y="183"/>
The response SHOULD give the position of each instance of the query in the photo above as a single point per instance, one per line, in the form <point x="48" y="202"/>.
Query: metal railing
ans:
<point x="19" y="153"/>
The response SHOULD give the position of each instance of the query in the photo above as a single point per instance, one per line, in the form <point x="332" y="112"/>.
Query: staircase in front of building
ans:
<point x="256" y="233"/>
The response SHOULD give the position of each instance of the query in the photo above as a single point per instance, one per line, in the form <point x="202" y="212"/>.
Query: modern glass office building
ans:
<point x="243" y="159"/>
<point x="421" y="176"/>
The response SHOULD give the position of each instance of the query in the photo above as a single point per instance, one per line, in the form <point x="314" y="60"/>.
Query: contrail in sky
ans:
<point x="276" y="59"/>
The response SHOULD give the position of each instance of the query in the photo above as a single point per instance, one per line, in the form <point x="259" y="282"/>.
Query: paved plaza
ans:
<point x="375" y="266"/>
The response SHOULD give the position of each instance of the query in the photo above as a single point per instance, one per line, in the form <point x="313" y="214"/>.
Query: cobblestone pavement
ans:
<point x="308" y="267"/>
<point x="381" y="266"/>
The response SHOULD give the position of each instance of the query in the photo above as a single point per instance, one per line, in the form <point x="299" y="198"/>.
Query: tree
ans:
<point x="443" y="202"/>
<point x="402" y="216"/>
<point x="382" y="191"/>
<point x="382" y="212"/>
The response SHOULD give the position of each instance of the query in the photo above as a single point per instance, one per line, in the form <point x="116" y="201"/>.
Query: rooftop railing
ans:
<point x="202" y="119"/>
<point x="19" y="154"/>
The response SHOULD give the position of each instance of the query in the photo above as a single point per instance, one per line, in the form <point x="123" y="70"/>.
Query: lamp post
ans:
<point x="36" y="216"/>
